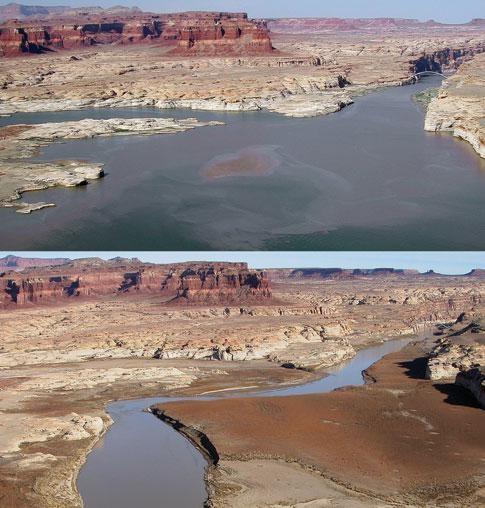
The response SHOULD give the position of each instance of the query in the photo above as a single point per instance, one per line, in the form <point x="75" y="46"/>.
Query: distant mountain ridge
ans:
<point x="15" y="263"/>
<point x="316" y="25"/>
<point x="19" y="263"/>
<point x="20" y="11"/>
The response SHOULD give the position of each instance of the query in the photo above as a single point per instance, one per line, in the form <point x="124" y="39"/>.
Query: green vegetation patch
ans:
<point x="424" y="98"/>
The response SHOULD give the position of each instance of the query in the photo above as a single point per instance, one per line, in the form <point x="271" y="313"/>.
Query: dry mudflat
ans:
<point x="401" y="439"/>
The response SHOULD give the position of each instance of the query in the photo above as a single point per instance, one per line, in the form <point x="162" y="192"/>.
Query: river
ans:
<point x="366" y="178"/>
<point x="144" y="462"/>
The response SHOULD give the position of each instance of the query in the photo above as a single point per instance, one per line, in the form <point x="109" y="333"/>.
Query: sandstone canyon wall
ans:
<point x="459" y="107"/>
<point x="192" y="33"/>
<point x="186" y="283"/>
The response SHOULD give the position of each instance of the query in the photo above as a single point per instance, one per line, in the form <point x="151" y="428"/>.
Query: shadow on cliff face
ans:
<point x="416" y="369"/>
<point x="12" y="290"/>
<point x="457" y="395"/>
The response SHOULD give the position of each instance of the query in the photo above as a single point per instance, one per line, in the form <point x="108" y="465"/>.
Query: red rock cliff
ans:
<point x="218" y="284"/>
<point x="187" y="283"/>
<point x="192" y="33"/>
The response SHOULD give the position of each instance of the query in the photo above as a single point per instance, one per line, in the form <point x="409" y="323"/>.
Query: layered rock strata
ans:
<point x="206" y="283"/>
<point x="190" y="33"/>
<point x="459" y="107"/>
<point x="310" y="75"/>
<point x="215" y="284"/>
<point x="213" y="311"/>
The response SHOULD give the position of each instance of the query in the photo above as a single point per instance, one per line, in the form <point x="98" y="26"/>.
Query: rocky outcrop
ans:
<point x="314" y="355"/>
<point x="461" y="350"/>
<point x="474" y="381"/>
<point x="217" y="284"/>
<point x="459" y="107"/>
<point x="218" y="33"/>
<point x="183" y="283"/>
<point x="449" y="359"/>
<point x="207" y="33"/>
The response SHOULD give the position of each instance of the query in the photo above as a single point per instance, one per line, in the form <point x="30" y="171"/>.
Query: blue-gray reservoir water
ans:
<point x="366" y="178"/>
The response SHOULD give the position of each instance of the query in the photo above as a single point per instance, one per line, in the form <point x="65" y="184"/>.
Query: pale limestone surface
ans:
<point x="309" y="67"/>
<point x="459" y="107"/>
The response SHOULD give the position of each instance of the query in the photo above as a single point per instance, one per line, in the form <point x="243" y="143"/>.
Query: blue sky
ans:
<point x="440" y="10"/>
<point x="443" y="262"/>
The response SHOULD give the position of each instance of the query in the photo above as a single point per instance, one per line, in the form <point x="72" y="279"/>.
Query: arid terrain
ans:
<point x="66" y="59"/>
<point x="399" y="440"/>
<point x="79" y="334"/>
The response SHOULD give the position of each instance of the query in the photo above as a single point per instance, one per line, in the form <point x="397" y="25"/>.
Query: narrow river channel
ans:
<point x="143" y="462"/>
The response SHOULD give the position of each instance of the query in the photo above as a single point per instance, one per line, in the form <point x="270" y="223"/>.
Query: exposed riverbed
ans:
<point x="144" y="462"/>
<point x="368" y="177"/>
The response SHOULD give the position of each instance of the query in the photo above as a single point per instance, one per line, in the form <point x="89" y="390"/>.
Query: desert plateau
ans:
<point x="374" y="103"/>
<point x="242" y="254"/>
<point x="243" y="363"/>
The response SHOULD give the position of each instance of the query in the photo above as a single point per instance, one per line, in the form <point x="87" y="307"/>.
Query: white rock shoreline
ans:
<point x="23" y="141"/>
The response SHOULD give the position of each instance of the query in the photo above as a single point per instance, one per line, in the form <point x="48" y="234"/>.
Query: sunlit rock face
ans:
<point x="179" y="283"/>
<point x="206" y="33"/>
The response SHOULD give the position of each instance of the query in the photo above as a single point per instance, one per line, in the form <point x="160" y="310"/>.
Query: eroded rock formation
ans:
<point x="461" y="349"/>
<point x="217" y="283"/>
<point x="459" y="107"/>
<point x="218" y="33"/>
<point x="182" y="283"/>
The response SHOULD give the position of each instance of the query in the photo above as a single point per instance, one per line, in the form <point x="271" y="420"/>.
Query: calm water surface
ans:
<point x="143" y="462"/>
<point x="368" y="177"/>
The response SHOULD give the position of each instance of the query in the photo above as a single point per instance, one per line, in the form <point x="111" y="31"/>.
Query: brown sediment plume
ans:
<point x="250" y="161"/>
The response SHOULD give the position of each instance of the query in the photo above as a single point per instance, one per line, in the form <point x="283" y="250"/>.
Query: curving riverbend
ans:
<point x="144" y="462"/>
